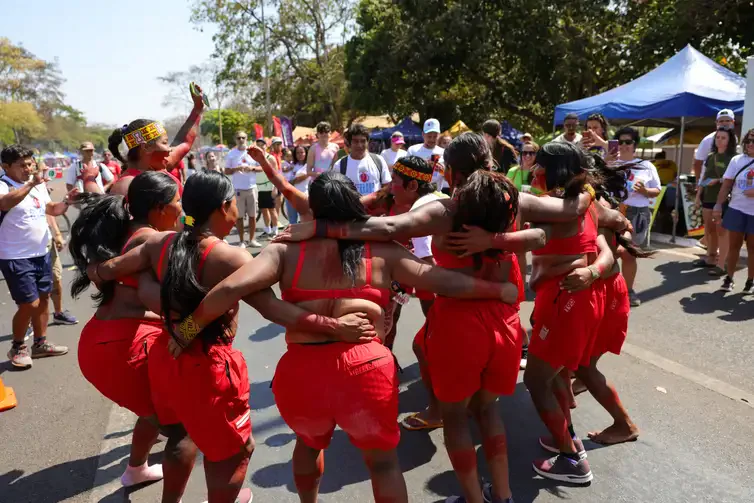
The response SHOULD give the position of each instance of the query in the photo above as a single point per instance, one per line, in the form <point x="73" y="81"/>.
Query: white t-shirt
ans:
<point x="423" y="245"/>
<point x="645" y="172"/>
<point x="705" y="147"/>
<point x="432" y="156"/>
<point x="562" y="138"/>
<point x="72" y="176"/>
<point x="744" y="181"/>
<point x="367" y="177"/>
<point x="299" y="169"/>
<point x="24" y="232"/>
<point x="390" y="156"/>
<point x="241" y="181"/>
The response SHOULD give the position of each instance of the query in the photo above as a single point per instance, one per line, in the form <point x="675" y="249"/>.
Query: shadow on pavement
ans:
<point x="267" y="332"/>
<point x="677" y="276"/>
<point x="261" y="395"/>
<point x="69" y="479"/>
<point x="737" y="307"/>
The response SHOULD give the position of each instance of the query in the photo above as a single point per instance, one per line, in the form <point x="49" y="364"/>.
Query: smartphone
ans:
<point x="612" y="147"/>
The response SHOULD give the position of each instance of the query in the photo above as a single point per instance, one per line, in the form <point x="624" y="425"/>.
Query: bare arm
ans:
<point x="134" y="260"/>
<point x="298" y="199"/>
<point x="552" y="209"/>
<point x="14" y="197"/>
<point x="310" y="162"/>
<point x="476" y="240"/>
<point x="583" y="277"/>
<point x="611" y="219"/>
<point x="410" y="270"/>
<point x="185" y="137"/>
<point x="432" y="218"/>
<point x="724" y="192"/>
<point x="697" y="167"/>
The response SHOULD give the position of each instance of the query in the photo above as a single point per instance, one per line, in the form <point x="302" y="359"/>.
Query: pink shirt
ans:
<point x="323" y="158"/>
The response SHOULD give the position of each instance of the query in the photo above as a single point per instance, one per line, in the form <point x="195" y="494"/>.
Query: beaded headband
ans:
<point x="411" y="173"/>
<point x="144" y="135"/>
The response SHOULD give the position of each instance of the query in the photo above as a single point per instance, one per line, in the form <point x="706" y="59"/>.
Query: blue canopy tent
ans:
<point x="689" y="87"/>
<point x="411" y="132"/>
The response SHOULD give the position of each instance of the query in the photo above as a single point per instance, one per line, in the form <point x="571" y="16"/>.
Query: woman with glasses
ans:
<point x="643" y="184"/>
<point x="710" y="183"/>
<point x="738" y="181"/>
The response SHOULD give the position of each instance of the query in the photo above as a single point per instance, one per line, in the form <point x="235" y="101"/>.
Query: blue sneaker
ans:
<point x="489" y="498"/>
<point x="64" y="318"/>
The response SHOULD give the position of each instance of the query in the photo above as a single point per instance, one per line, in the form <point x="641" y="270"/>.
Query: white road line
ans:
<point x="120" y="420"/>
<point x="687" y="373"/>
<point x="677" y="253"/>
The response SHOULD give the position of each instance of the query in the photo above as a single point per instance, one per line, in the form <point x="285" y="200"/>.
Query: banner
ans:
<point x="287" y="126"/>
<point x="277" y="130"/>
<point x="258" y="131"/>
<point x="691" y="212"/>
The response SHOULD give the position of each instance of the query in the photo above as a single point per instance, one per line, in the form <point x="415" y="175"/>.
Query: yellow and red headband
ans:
<point x="411" y="173"/>
<point x="144" y="135"/>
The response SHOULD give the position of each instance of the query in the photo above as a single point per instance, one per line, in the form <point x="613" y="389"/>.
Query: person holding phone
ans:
<point x="710" y="183"/>
<point x="594" y="139"/>
<point x="643" y="184"/>
<point x="738" y="182"/>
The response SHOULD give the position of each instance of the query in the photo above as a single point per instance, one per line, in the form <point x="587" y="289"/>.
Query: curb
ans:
<point x="682" y="242"/>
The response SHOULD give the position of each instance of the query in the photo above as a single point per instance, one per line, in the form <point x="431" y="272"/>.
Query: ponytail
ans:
<point x="98" y="234"/>
<point x="181" y="290"/>
<point x="113" y="144"/>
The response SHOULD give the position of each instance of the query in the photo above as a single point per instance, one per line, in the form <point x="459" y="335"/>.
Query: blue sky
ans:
<point x="110" y="52"/>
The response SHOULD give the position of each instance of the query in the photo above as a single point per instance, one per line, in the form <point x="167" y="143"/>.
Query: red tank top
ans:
<point x="294" y="294"/>
<point x="131" y="281"/>
<point x="202" y="259"/>
<point x="584" y="241"/>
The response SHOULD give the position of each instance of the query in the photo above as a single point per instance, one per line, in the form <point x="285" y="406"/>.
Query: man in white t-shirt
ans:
<point x="643" y="184"/>
<point x="395" y="151"/>
<point x="243" y="172"/>
<point x="25" y="261"/>
<point x="432" y="153"/>
<point x="81" y="173"/>
<point x="366" y="170"/>
<point x="725" y="120"/>
<point x="571" y="133"/>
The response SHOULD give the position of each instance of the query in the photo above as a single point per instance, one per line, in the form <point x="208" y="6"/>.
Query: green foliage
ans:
<point x="233" y="121"/>
<point x="517" y="59"/>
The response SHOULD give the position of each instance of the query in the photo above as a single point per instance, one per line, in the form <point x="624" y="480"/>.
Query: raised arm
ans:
<point x="409" y="270"/>
<point x="298" y="199"/>
<point x="552" y="209"/>
<point x="185" y="137"/>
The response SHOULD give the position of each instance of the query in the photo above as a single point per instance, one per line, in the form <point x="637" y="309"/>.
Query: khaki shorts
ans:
<point x="246" y="200"/>
<point x="57" y="270"/>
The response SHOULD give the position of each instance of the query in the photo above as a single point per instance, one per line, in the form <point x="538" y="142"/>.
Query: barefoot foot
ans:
<point x="615" y="434"/>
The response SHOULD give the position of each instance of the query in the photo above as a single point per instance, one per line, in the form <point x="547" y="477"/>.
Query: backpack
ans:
<point x="375" y="159"/>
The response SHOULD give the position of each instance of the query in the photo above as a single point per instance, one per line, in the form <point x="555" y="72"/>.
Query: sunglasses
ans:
<point x="240" y="137"/>
<point x="626" y="142"/>
<point x="748" y="141"/>
<point x="528" y="153"/>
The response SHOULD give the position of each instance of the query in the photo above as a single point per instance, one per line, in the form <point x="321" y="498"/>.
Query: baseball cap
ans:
<point x="261" y="140"/>
<point x="526" y="135"/>
<point x="87" y="145"/>
<point x="276" y="139"/>
<point x="432" y="126"/>
<point x="726" y="113"/>
<point x="397" y="138"/>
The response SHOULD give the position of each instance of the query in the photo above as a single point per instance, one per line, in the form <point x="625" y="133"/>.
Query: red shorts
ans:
<point x="113" y="357"/>
<point x="614" y="327"/>
<point x="472" y="345"/>
<point x="566" y="324"/>
<point x="207" y="392"/>
<point x="354" y="386"/>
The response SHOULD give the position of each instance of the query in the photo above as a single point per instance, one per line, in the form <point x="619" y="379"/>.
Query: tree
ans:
<point x="19" y="121"/>
<point x="232" y="121"/>
<point x="304" y="37"/>
<point x="518" y="59"/>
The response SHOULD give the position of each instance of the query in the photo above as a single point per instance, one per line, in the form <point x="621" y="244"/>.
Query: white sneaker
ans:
<point x="241" y="244"/>
<point x="255" y="244"/>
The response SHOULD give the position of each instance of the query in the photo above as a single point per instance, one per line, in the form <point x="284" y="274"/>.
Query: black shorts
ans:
<point x="266" y="201"/>
<point x="711" y="206"/>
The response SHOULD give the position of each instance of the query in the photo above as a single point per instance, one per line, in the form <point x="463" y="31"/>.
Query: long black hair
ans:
<point x="467" y="153"/>
<point x="116" y="138"/>
<point x="609" y="184"/>
<point x="181" y="291"/>
<point x="334" y="197"/>
<point x="488" y="200"/>
<point x="566" y="166"/>
<point x="101" y="229"/>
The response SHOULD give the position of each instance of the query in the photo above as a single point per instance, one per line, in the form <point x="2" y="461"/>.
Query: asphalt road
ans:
<point x="683" y="377"/>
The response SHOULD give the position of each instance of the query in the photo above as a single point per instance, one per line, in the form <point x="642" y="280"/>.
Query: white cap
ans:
<point x="431" y="126"/>
<point x="276" y="139"/>
<point x="726" y="113"/>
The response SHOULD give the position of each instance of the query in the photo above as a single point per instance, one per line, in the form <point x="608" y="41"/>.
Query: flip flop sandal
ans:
<point x="423" y="424"/>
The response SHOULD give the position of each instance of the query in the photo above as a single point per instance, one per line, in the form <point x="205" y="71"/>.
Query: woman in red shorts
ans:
<point x="149" y="148"/>
<point x="567" y="310"/>
<point x="320" y="386"/>
<point x="114" y="344"/>
<point x="207" y="387"/>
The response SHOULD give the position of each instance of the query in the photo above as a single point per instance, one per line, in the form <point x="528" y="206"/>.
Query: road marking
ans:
<point x="678" y="253"/>
<point x="692" y="375"/>
<point x="120" y="420"/>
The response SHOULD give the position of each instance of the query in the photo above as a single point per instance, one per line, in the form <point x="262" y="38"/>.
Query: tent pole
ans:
<point x="678" y="181"/>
